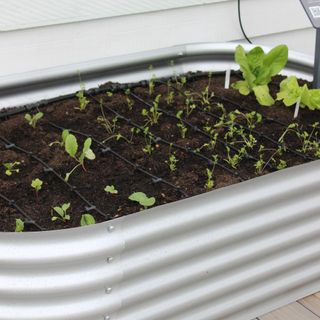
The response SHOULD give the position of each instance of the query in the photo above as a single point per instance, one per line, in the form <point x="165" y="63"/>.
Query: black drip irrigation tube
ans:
<point x="104" y="149"/>
<point x="157" y="139"/>
<point x="89" y="207"/>
<point x="247" y="109"/>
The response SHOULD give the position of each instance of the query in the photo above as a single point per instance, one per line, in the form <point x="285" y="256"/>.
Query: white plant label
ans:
<point x="296" y="111"/>
<point x="312" y="8"/>
<point x="227" y="80"/>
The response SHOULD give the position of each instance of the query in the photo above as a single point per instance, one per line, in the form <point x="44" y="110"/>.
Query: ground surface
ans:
<point x="304" y="309"/>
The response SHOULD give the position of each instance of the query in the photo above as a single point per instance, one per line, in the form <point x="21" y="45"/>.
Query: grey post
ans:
<point x="316" y="73"/>
<point x="312" y="8"/>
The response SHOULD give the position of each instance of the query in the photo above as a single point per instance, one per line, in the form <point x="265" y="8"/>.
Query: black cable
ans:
<point x="240" y="22"/>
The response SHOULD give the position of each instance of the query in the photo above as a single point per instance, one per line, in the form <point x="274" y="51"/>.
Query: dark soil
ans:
<point x="188" y="179"/>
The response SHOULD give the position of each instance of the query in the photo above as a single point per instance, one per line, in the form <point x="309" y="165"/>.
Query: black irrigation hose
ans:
<point x="194" y="128"/>
<point x="89" y="206"/>
<point x="157" y="139"/>
<point x="240" y="22"/>
<point x="28" y="219"/>
<point x="107" y="149"/>
<point x="264" y="118"/>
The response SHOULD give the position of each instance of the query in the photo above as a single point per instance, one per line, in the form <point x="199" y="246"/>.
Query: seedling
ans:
<point x="11" y="167"/>
<point x="142" y="199"/>
<point x="61" y="213"/>
<point x="148" y="138"/>
<point x="83" y="101"/>
<point x="153" y="114"/>
<point x="71" y="147"/>
<point x="290" y="93"/>
<point x="258" y="69"/>
<point x="172" y="162"/>
<point x="19" y="225"/>
<point x="182" y="128"/>
<point x="190" y="104"/>
<point x="36" y="184"/>
<point x="111" y="189"/>
<point x="33" y="119"/>
<point x="210" y="181"/>
<point x="261" y="164"/>
<point x="151" y="85"/>
<point x="170" y="98"/>
<point x="87" y="219"/>
<point x="130" y="102"/>
<point x="310" y="141"/>
<point x="61" y="143"/>
<point x="234" y="160"/>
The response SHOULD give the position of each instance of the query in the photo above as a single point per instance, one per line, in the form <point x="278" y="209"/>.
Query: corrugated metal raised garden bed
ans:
<point x="109" y="152"/>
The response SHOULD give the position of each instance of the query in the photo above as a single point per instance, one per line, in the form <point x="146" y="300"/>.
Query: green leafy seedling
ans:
<point x="11" y="167"/>
<point x="83" y="101"/>
<point x="71" y="147"/>
<point x="19" y="225"/>
<point x="111" y="189"/>
<point x="36" y="184"/>
<point x="62" y="214"/>
<point x="290" y="93"/>
<point x="258" y="69"/>
<point x="64" y="135"/>
<point x="32" y="120"/>
<point x="142" y="199"/>
<point x="87" y="219"/>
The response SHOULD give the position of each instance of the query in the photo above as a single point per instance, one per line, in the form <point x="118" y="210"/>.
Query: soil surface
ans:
<point x="123" y="160"/>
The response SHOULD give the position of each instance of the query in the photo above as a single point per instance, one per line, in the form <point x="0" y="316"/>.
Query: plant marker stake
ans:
<point x="227" y="81"/>
<point x="296" y="111"/>
<point x="312" y="8"/>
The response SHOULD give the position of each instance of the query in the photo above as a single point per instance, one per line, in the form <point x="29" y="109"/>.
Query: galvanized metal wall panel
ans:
<point x="225" y="254"/>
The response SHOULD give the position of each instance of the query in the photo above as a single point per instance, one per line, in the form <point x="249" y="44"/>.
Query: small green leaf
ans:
<point x="65" y="206"/>
<point x="263" y="95"/>
<point x="90" y="155"/>
<point x="142" y="199"/>
<point x="36" y="184"/>
<point x="87" y="219"/>
<point x="19" y="225"/>
<point x="242" y="86"/>
<point x="71" y="145"/>
<point x="59" y="211"/>
<point x="111" y="189"/>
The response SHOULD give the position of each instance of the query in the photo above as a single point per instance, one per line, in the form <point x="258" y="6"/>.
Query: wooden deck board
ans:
<point x="294" y="311"/>
<point x="312" y="303"/>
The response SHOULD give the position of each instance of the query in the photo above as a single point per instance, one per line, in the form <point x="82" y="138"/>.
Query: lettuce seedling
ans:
<point x="83" y="101"/>
<point x="87" y="219"/>
<point x="258" y="69"/>
<point x="36" y="184"/>
<point x="111" y="189"/>
<point x="142" y="199"/>
<point x="62" y="213"/>
<point x="19" y="225"/>
<point x="32" y="120"/>
<point x="11" y="167"/>
<point x="291" y="93"/>
<point x="64" y="135"/>
<point x="71" y="147"/>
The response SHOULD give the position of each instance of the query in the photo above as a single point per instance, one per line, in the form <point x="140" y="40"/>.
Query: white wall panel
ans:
<point x="268" y="22"/>
<point x="19" y="14"/>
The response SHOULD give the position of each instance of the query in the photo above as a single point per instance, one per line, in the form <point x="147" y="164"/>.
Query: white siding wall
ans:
<point x="119" y="32"/>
